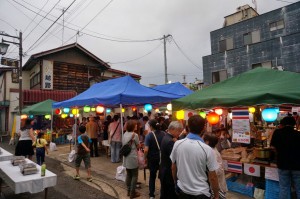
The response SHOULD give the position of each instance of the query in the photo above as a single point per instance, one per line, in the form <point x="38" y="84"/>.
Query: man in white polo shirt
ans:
<point x="192" y="160"/>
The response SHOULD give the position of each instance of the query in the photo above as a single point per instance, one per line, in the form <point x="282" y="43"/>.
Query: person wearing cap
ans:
<point x="194" y="163"/>
<point x="286" y="141"/>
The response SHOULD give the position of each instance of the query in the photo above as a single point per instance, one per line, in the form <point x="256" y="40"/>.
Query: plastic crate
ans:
<point x="232" y="185"/>
<point x="272" y="189"/>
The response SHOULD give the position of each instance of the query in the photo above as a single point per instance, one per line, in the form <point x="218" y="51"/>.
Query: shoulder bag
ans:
<point x="126" y="148"/>
<point x="114" y="132"/>
<point x="157" y="146"/>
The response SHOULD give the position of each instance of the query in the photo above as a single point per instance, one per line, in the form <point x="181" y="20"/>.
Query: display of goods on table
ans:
<point x="16" y="160"/>
<point x="28" y="168"/>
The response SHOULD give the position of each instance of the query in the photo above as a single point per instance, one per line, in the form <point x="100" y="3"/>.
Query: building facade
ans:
<point x="270" y="40"/>
<point x="58" y="74"/>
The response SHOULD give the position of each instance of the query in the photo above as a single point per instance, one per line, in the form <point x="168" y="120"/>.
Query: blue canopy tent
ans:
<point x="174" y="88"/>
<point x="123" y="91"/>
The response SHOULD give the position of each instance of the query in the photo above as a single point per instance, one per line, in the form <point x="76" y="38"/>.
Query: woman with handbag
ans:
<point x="131" y="160"/>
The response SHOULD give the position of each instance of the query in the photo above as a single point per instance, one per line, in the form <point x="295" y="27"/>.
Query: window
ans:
<point x="263" y="65"/>
<point x="252" y="37"/>
<point x="225" y="44"/>
<point x="35" y="80"/>
<point x="277" y="25"/>
<point x="219" y="76"/>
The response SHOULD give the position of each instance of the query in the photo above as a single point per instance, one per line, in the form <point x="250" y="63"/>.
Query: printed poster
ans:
<point x="240" y="126"/>
<point x="271" y="173"/>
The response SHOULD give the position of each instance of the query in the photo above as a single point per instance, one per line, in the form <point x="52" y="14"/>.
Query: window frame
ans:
<point x="276" y="25"/>
<point x="35" y="80"/>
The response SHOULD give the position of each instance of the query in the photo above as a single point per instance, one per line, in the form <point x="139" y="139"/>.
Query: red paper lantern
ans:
<point x="133" y="108"/>
<point x="213" y="118"/>
<point x="57" y="111"/>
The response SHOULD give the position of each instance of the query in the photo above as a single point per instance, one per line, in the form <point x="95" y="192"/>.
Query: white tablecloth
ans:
<point x="20" y="183"/>
<point x="5" y="155"/>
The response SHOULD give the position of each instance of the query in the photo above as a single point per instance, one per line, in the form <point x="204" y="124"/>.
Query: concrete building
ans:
<point x="249" y="40"/>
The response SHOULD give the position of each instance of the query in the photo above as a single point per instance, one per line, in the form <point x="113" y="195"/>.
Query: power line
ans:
<point x="92" y="19"/>
<point x="138" y="57"/>
<point x="103" y="38"/>
<point x="49" y="28"/>
<point x="9" y="24"/>
<point x="185" y="54"/>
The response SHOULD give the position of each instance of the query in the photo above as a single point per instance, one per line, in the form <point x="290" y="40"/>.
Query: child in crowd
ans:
<point x="212" y="141"/>
<point x="41" y="148"/>
<point x="83" y="153"/>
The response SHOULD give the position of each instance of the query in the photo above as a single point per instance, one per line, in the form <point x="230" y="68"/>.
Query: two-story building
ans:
<point x="58" y="74"/>
<point x="249" y="40"/>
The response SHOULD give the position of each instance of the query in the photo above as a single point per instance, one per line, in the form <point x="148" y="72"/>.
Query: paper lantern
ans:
<point x="47" y="117"/>
<point x="202" y="114"/>
<point x="123" y="110"/>
<point x="251" y="110"/>
<point x="64" y="115"/>
<point x="219" y="111"/>
<point x="148" y="107"/>
<point x="66" y="110"/>
<point x="57" y="111"/>
<point x="108" y="110"/>
<point x="180" y="115"/>
<point x="156" y="110"/>
<point x="31" y="116"/>
<point x="99" y="109"/>
<point x="169" y="107"/>
<point x="71" y="115"/>
<point x="93" y="109"/>
<point x="86" y="109"/>
<point x="75" y="111"/>
<point x="133" y="108"/>
<point x="24" y="116"/>
<point x="269" y="114"/>
<point x="213" y="118"/>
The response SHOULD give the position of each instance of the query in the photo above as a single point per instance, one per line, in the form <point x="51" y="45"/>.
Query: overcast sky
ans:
<point x="188" y="21"/>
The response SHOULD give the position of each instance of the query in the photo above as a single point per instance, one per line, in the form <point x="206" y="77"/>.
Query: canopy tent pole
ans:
<point x="51" y="125"/>
<point x="121" y="119"/>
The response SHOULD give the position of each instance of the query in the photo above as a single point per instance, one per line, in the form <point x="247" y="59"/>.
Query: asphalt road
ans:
<point x="66" y="187"/>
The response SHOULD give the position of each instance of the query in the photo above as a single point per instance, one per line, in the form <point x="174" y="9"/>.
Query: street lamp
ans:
<point x="3" y="50"/>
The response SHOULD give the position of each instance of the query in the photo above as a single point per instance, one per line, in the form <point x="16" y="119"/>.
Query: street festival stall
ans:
<point x="173" y="88"/>
<point x="120" y="92"/>
<point x="45" y="110"/>
<point x="249" y="96"/>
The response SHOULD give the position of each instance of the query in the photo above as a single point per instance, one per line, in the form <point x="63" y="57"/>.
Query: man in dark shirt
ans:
<point x="167" y="189"/>
<point x="286" y="142"/>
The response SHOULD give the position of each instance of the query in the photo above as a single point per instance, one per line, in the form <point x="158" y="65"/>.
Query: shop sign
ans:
<point x="240" y="126"/>
<point x="9" y="62"/>
<point x="47" y="75"/>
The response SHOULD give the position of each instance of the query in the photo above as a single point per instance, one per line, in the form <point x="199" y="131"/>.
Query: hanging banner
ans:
<point x="240" y="125"/>
<point x="252" y="169"/>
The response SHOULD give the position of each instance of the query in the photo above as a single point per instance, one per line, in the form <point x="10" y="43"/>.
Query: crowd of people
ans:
<point x="184" y="157"/>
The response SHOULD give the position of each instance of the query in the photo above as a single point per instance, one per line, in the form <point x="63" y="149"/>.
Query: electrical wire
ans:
<point x="91" y="19"/>
<point x="31" y="47"/>
<point x="122" y="62"/>
<point x="185" y="54"/>
<point x="9" y="24"/>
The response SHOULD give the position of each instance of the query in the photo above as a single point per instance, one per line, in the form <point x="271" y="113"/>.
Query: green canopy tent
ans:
<point x="255" y="87"/>
<point x="41" y="108"/>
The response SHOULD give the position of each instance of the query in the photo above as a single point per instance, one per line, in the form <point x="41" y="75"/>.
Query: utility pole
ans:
<point x="165" y="57"/>
<point x="20" y="63"/>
